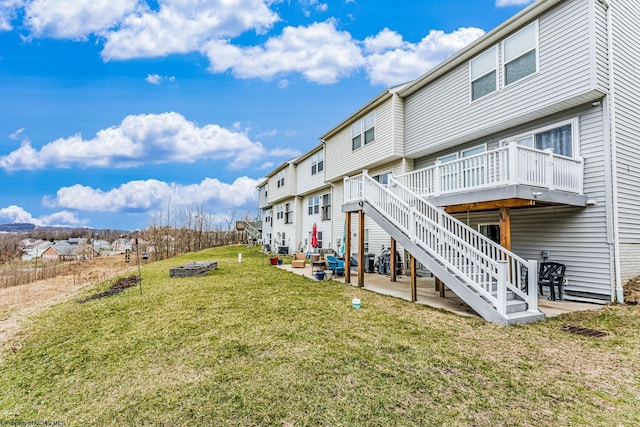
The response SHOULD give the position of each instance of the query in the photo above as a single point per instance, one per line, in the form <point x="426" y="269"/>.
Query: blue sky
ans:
<point x="111" y="110"/>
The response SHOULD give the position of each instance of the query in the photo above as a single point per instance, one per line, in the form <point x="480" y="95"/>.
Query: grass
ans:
<point x="250" y="344"/>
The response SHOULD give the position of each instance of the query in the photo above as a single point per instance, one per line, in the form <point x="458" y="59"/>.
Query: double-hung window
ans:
<point x="520" y="54"/>
<point x="317" y="163"/>
<point x="326" y="206"/>
<point x="314" y="205"/>
<point x="483" y="71"/>
<point x="288" y="214"/>
<point x="280" y="179"/>
<point x="363" y="131"/>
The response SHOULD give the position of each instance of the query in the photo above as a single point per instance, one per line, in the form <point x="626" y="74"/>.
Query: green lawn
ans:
<point x="250" y="344"/>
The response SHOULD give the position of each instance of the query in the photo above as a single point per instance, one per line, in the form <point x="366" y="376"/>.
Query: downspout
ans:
<point x="614" y="155"/>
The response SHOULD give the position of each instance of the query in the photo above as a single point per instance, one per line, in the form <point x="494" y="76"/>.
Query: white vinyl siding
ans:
<point x="440" y="116"/>
<point x="626" y="63"/>
<point x="341" y="160"/>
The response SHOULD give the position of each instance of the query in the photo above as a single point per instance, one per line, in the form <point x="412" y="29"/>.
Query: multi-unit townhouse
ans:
<point x="521" y="148"/>
<point x="277" y="200"/>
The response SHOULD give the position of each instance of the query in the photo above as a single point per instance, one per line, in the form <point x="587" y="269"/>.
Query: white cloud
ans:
<point x="319" y="52"/>
<point x="394" y="62"/>
<point x="15" y="135"/>
<point x="505" y="3"/>
<point x="141" y="139"/>
<point x="384" y="40"/>
<point x="8" y="10"/>
<point x="141" y="196"/>
<point x="75" y="19"/>
<point x="16" y="214"/>
<point x="181" y="26"/>
<point x="156" y="79"/>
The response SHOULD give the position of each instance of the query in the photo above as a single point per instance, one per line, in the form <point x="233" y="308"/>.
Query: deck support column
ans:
<point x="440" y="287"/>
<point x="347" y="248"/>
<point x="392" y="261"/>
<point x="505" y="228"/>
<point x="361" y="249"/>
<point x="414" y="279"/>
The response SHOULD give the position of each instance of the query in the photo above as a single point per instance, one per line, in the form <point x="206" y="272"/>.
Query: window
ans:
<point x="266" y="191"/>
<point x="280" y="178"/>
<point x="520" y="54"/>
<point x="558" y="137"/>
<point x="356" y="135"/>
<point x="490" y="231"/>
<point x="483" y="73"/>
<point x="366" y="240"/>
<point x="326" y="206"/>
<point x="369" y="129"/>
<point x="473" y="168"/>
<point x="382" y="178"/>
<point x="314" y="205"/>
<point x="363" y="130"/>
<point x="317" y="163"/>
<point x="288" y="215"/>
<point x="279" y="212"/>
<point x="448" y="173"/>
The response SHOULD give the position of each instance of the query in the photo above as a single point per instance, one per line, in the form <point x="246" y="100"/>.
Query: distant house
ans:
<point x="34" y="248"/>
<point x="64" y="251"/>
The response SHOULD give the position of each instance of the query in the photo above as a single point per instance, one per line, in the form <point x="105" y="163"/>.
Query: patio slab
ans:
<point x="427" y="294"/>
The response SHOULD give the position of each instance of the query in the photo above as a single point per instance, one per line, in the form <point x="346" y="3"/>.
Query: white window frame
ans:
<point x="492" y="51"/>
<point x="574" y="122"/>
<point x="360" y="128"/>
<point x="317" y="163"/>
<point x="313" y="205"/>
<point x="280" y="178"/>
<point x="536" y="48"/>
<point x="488" y="224"/>
<point x="326" y="207"/>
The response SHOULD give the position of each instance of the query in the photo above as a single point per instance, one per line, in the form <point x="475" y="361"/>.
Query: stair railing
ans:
<point x="475" y="259"/>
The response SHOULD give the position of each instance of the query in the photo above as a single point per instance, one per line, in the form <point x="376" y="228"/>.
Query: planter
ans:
<point x="328" y="274"/>
<point x="274" y="260"/>
<point x="279" y="262"/>
<point x="319" y="275"/>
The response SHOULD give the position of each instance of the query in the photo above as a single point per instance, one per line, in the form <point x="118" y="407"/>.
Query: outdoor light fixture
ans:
<point x="592" y="202"/>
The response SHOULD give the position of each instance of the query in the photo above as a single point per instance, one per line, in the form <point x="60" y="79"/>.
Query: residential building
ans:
<point x="519" y="149"/>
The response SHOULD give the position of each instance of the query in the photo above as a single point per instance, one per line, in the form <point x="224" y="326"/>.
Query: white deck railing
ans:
<point x="512" y="164"/>
<point x="483" y="264"/>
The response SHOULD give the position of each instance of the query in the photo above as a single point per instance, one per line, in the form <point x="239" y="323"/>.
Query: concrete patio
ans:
<point x="427" y="294"/>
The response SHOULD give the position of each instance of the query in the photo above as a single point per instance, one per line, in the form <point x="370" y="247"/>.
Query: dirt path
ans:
<point x="18" y="302"/>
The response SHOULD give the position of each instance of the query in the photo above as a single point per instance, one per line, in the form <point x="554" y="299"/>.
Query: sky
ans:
<point x="113" y="110"/>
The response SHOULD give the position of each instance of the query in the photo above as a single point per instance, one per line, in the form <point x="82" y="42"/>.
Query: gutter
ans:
<point x="614" y="155"/>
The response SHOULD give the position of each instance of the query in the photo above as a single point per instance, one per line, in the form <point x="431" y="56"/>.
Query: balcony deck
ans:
<point x="523" y="175"/>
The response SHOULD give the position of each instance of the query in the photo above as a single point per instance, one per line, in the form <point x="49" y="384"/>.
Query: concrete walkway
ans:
<point x="427" y="294"/>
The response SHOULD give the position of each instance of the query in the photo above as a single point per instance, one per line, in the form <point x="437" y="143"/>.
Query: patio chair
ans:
<point x="299" y="260"/>
<point x="551" y="274"/>
<point x="335" y="265"/>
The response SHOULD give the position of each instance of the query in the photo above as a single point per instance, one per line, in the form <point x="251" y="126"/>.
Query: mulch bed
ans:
<point x="632" y="291"/>
<point x="118" y="287"/>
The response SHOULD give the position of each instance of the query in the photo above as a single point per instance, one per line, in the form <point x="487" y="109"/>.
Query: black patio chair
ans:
<point x="551" y="274"/>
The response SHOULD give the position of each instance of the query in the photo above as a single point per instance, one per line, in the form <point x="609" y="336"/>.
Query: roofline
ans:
<point x="365" y="108"/>
<point x="279" y="168"/>
<point x="530" y="13"/>
<point x="308" y="154"/>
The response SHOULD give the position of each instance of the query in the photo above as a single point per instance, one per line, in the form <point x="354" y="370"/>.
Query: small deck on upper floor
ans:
<point x="511" y="176"/>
